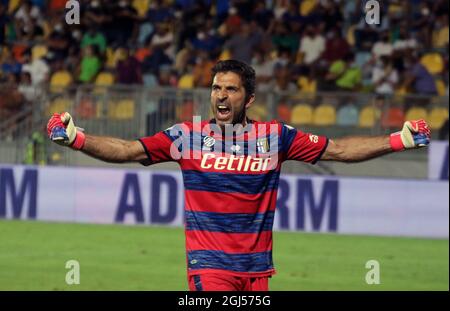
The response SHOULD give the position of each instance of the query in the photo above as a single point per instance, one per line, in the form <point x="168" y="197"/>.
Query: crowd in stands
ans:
<point x="303" y="45"/>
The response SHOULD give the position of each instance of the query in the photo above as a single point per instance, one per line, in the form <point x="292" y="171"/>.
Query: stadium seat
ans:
<point x="226" y="54"/>
<point x="350" y="36"/>
<point x="433" y="62"/>
<point x="59" y="105"/>
<point x="38" y="51"/>
<point x="416" y="113"/>
<point x="186" y="81"/>
<point x="258" y="112"/>
<point x="441" y="88"/>
<point x="302" y="114"/>
<point x="150" y="79"/>
<point x="307" y="6"/>
<point x="185" y="111"/>
<point x="284" y="113"/>
<point x="369" y="116"/>
<point x="122" y="109"/>
<point x="13" y="5"/>
<point x="104" y="78"/>
<point x="392" y="117"/>
<point x="141" y="6"/>
<point x="59" y="80"/>
<point x="437" y="117"/>
<point x="347" y="116"/>
<point x="307" y="86"/>
<point x="324" y="115"/>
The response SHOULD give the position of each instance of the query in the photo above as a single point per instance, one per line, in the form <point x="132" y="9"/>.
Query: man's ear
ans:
<point x="250" y="101"/>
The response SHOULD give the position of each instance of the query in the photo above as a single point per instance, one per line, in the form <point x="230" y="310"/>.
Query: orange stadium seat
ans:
<point x="284" y="113"/>
<point x="324" y="115"/>
<point x="392" y="117"/>
<point x="437" y="117"/>
<point x="302" y="114"/>
<point x="369" y="116"/>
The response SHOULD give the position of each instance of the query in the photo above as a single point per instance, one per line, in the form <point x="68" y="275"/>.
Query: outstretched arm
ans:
<point x="62" y="130"/>
<point x="415" y="134"/>
<point x="114" y="150"/>
<point x="356" y="149"/>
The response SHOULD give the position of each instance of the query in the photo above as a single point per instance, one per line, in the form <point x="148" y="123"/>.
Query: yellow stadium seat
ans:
<point x="307" y="6"/>
<point x="225" y="55"/>
<point x="350" y="36"/>
<point x="302" y="114"/>
<point x="104" y="78"/>
<point x="59" y="105"/>
<point x="110" y="61"/>
<point x="416" y="113"/>
<point x="441" y="88"/>
<point x="433" y="62"/>
<point x="369" y="116"/>
<point x="324" y="115"/>
<point x="186" y="81"/>
<point x="59" y="80"/>
<point x="306" y="85"/>
<point x="123" y="109"/>
<point x="38" y="51"/>
<point x="141" y="6"/>
<point x="13" y="5"/>
<point x="257" y="112"/>
<point x="437" y="117"/>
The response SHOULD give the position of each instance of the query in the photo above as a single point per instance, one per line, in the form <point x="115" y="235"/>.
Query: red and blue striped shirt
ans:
<point x="231" y="184"/>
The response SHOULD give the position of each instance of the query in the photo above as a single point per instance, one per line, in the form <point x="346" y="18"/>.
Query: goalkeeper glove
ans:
<point x="414" y="134"/>
<point x="61" y="130"/>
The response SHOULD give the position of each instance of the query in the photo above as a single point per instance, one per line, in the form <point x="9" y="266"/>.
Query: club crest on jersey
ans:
<point x="263" y="145"/>
<point x="208" y="142"/>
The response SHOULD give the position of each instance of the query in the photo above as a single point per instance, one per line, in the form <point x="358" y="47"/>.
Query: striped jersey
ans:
<point x="231" y="181"/>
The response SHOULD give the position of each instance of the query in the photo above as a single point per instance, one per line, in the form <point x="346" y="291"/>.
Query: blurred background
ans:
<point x="134" y="67"/>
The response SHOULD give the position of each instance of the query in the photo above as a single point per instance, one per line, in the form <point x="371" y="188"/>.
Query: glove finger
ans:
<point x="65" y="118"/>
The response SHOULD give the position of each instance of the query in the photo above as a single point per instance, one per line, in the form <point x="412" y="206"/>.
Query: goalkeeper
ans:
<point x="231" y="188"/>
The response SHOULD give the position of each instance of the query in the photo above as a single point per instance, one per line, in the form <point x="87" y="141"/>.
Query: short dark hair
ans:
<point x="245" y="72"/>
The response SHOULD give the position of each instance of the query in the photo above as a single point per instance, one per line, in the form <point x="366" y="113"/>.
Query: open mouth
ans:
<point x="223" y="111"/>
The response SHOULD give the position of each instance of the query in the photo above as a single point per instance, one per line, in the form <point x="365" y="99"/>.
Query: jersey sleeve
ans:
<point x="165" y="146"/>
<point x="301" y="146"/>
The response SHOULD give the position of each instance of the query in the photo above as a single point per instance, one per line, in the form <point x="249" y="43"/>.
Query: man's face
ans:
<point x="228" y="99"/>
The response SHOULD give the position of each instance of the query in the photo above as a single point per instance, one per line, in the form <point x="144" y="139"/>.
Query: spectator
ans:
<point x="94" y="37"/>
<point x="336" y="47"/>
<point x="163" y="39"/>
<point x="58" y="42"/>
<point x="28" y="91"/>
<point x="128" y="69"/>
<point x="382" y="47"/>
<point x="312" y="45"/>
<point x="10" y="65"/>
<point x="418" y="79"/>
<point x="242" y="44"/>
<point x="90" y="64"/>
<point x="384" y="76"/>
<point x="264" y="70"/>
<point x="38" y="69"/>
<point x="440" y="32"/>
<point x="202" y="70"/>
<point x="283" y="81"/>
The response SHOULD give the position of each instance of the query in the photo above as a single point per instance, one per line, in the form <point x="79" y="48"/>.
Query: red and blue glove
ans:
<point x="61" y="130"/>
<point x="414" y="134"/>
